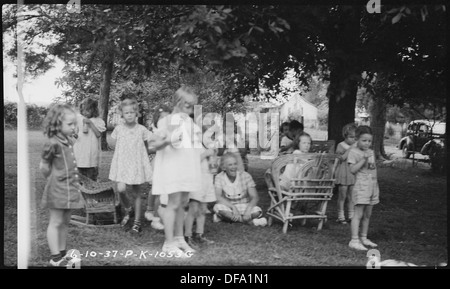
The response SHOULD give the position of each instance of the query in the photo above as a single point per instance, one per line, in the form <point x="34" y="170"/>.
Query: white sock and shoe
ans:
<point x="262" y="222"/>
<point x="357" y="245"/>
<point x="180" y="242"/>
<point x="149" y="216"/>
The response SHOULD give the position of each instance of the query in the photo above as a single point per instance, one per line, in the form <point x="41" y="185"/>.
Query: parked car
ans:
<point x="419" y="133"/>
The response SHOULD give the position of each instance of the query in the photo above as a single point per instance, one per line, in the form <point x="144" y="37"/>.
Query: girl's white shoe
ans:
<point x="357" y="245"/>
<point x="260" y="222"/>
<point x="149" y="216"/>
<point x="180" y="242"/>
<point x="156" y="224"/>
<point x="367" y="242"/>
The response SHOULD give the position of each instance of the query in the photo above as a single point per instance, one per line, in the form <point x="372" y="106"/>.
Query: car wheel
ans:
<point x="405" y="151"/>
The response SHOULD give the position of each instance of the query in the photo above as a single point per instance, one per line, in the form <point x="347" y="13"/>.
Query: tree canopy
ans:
<point x="231" y="51"/>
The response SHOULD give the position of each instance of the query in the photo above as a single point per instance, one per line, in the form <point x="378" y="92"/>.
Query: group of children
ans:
<point x="184" y="173"/>
<point x="356" y="175"/>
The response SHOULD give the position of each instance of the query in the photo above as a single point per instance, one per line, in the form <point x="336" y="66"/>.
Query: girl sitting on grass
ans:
<point x="61" y="193"/>
<point x="236" y="195"/>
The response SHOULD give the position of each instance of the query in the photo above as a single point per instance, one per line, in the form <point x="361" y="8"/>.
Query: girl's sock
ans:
<point x="341" y="215"/>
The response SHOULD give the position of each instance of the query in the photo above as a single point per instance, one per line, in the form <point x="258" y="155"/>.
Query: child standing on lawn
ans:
<point x="198" y="200"/>
<point x="177" y="168"/>
<point x="61" y="193"/>
<point x="130" y="164"/>
<point x="344" y="177"/>
<point x="87" y="146"/>
<point x="153" y="200"/>
<point x="365" y="192"/>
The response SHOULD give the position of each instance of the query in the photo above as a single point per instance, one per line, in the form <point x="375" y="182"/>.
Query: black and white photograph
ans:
<point x="238" y="135"/>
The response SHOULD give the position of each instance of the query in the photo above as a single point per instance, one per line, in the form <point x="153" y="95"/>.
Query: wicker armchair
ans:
<point x="313" y="187"/>
<point x="98" y="197"/>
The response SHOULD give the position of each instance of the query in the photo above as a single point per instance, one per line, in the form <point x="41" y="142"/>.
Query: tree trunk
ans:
<point x="377" y="111"/>
<point x="343" y="41"/>
<point x="105" y="86"/>
<point x="342" y="101"/>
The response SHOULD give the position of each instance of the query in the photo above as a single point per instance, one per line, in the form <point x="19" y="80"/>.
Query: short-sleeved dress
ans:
<point x="291" y="171"/>
<point x="130" y="163"/>
<point x="207" y="193"/>
<point x="177" y="167"/>
<point x="62" y="188"/>
<point x="235" y="192"/>
<point x="87" y="146"/>
<point x="365" y="190"/>
<point x="343" y="174"/>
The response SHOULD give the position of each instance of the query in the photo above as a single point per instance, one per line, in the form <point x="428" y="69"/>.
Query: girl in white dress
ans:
<point x="177" y="168"/>
<point x="130" y="164"/>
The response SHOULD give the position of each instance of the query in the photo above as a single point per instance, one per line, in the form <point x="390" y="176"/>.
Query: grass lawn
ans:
<point x="409" y="224"/>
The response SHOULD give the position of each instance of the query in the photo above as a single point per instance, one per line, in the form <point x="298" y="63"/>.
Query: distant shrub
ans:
<point x="35" y="115"/>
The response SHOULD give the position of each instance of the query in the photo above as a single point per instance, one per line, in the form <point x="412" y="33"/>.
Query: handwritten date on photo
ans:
<point x="130" y="253"/>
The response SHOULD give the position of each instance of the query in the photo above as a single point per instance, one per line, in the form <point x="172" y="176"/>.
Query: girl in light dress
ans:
<point x="177" y="170"/>
<point x="344" y="178"/>
<point x="130" y="165"/>
<point x="293" y="170"/>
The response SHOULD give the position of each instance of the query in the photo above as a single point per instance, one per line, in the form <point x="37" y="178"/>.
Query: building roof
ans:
<point x="302" y="98"/>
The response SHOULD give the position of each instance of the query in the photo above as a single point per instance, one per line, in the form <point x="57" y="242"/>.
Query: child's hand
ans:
<point x="368" y="154"/>
<point x="236" y="214"/>
<point x="247" y="216"/>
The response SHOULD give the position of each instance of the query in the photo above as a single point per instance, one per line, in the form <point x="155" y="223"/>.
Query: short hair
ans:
<point x="226" y="156"/>
<point x="305" y="134"/>
<point x="349" y="127"/>
<point x="159" y="110"/>
<point x="295" y="125"/>
<point x="53" y="120"/>
<point x="90" y="105"/>
<point x="283" y="125"/>
<point x="181" y="92"/>
<point x="129" y="102"/>
<point x="362" y="129"/>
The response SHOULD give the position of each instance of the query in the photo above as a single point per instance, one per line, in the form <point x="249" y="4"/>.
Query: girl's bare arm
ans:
<point x="354" y="168"/>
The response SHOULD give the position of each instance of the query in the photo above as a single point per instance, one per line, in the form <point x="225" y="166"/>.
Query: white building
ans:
<point x="299" y="108"/>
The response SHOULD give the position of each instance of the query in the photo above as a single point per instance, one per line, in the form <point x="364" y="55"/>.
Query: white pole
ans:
<point x="23" y="173"/>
